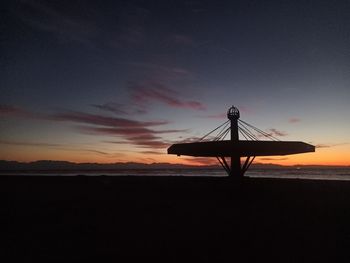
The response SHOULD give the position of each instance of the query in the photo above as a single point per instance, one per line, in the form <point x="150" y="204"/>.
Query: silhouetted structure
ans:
<point x="235" y="148"/>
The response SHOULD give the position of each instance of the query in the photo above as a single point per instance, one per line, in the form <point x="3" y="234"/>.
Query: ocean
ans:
<point x="342" y="173"/>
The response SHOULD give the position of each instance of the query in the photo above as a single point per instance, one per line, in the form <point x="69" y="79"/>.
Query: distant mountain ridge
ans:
<point x="65" y="165"/>
<point x="47" y="165"/>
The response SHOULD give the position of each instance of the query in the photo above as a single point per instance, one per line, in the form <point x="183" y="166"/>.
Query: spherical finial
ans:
<point x="233" y="113"/>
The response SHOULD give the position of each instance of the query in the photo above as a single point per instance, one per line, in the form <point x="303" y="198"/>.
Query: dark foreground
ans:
<point x="175" y="219"/>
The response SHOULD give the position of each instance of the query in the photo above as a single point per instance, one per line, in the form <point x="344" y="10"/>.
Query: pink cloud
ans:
<point x="32" y="144"/>
<point x="6" y="109"/>
<point x="134" y="132"/>
<point x="152" y="144"/>
<point x="130" y="131"/>
<point x="294" y="120"/>
<point x="13" y="111"/>
<point x="80" y="117"/>
<point x="149" y="91"/>
<point x="115" y="108"/>
<point x="143" y="137"/>
<point x="275" y="132"/>
<point x="219" y="116"/>
<point x="323" y="146"/>
<point x="330" y="145"/>
<point x="190" y="139"/>
<point x="152" y="152"/>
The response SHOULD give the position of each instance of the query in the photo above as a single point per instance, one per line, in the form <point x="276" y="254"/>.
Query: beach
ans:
<point x="173" y="219"/>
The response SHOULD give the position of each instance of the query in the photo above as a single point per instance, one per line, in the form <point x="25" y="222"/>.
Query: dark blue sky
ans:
<point x="76" y="73"/>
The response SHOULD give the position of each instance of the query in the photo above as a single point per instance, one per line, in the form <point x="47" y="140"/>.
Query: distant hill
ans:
<point x="46" y="165"/>
<point x="49" y="165"/>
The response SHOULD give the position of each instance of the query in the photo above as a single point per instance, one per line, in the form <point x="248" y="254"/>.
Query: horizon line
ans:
<point x="174" y="164"/>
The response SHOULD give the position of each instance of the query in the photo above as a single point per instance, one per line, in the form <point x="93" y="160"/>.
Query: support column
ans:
<point x="235" y="160"/>
<point x="233" y="115"/>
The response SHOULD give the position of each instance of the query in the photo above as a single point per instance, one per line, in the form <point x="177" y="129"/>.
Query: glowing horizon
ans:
<point x="326" y="157"/>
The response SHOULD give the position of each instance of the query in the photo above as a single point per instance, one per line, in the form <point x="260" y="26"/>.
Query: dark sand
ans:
<point x="175" y="219"/>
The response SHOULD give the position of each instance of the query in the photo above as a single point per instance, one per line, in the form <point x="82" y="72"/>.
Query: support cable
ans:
<point x="252" y="136"/>
<point x="201" y="139"/>
<point x="222" y="136"/>
<point x="245" y="133"/>
<point x="223" y="130"/>
<point x="239" y="129"/>
<point x="223" y="165"/>
<point x="249" y="134"/>
<point x="260" y="131"/>
<point x="248" y="164"/>
<point x="248" y="131"/>
<point x="229" y="129"/>
<point x="245" y="163"/>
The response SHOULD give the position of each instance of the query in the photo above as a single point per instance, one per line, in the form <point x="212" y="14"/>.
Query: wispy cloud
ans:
<point x="152" y="144"/>
<point x="323" y="145"/>
<point x="44" y="17"/>
<point x="5" y="109"/>
<point x="129" y="131"/>
<point x="190" y="139"/>
<point x="113" y="107"/>
<point x="120" y="109"/>
<point x="81" y="149"/>
<point x="153" y="152"/>
<point x="133" y="132"/>
<point x="294" y="120"/>
<point x="15" y="111"/>
<point x="272" y="132"/>
<point x="154" y="91"/>
<point x="219" y="116"/>
<point x="9" y="110"/>
<point x="273" y="159"/>
<point x="275" y="132"/>
<point x="23" y="143"/>
<point x="99" y="152"/>
<point x="330" y="145"/>
<point x="87" y="118"/>
<point x="143" y="137"/>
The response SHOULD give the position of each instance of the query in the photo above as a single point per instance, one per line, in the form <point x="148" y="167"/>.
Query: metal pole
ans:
<point x="235" y="160"/>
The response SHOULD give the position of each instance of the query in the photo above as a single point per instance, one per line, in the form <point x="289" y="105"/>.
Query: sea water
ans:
<point x="291" y="173"/>
<point x="303" y="173"/>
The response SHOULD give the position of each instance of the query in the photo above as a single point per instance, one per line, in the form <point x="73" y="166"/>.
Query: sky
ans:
<point x="120" y="81"/>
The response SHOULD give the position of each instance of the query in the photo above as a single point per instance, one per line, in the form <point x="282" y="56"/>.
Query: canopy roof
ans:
<point x="240" y="148"/>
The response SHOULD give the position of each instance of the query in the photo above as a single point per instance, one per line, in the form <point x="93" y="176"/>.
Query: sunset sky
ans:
<point x="119" y="81"/>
